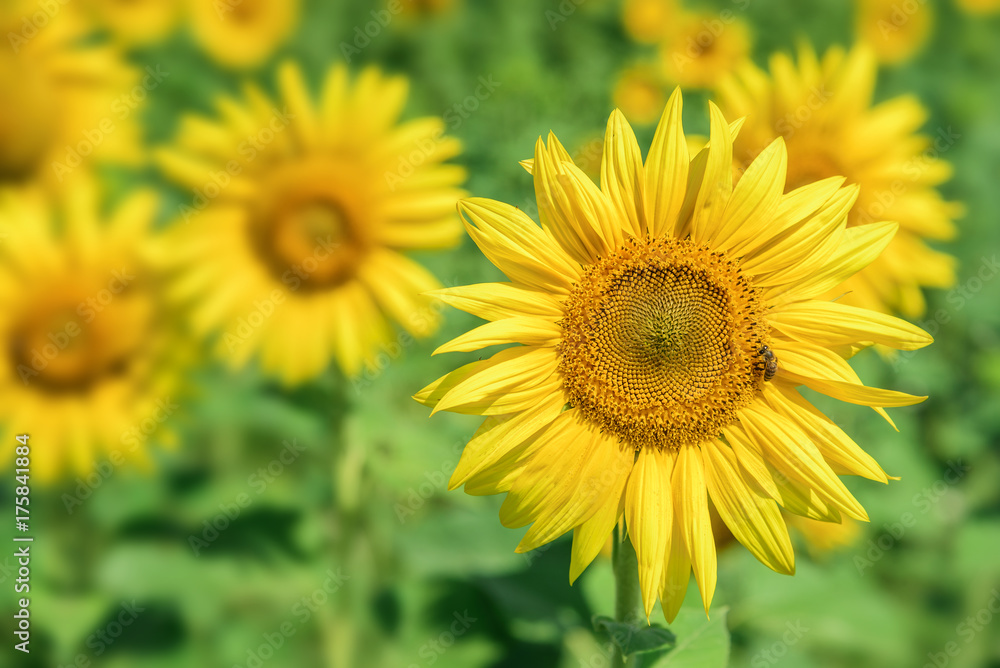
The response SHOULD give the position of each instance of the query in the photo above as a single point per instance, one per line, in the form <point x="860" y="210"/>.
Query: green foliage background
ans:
<point x="363" y="508"/>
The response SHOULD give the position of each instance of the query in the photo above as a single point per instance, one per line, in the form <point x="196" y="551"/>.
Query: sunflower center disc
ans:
<point x="661" y="343"/>
<point x="246" y="11"/>
<point x="304" y="228"/>
<point x="68" y="345"/>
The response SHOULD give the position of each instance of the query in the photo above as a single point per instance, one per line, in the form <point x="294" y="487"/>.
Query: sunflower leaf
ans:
<point x="633" y="638"/>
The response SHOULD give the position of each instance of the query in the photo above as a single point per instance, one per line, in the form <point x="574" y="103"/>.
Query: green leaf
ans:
<point x="704" y="643"/>
<point x="634" y="639"/>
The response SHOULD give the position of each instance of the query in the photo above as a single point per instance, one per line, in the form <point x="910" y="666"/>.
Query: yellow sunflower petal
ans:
<point x="500" y="478"/>
<point x="751" y="460"/>
<point x="558" y="190"/>
<point x="649" y="517"/>
<point x="797" y="251"/>
<point x="590" y="203"/>
<point x="835" y="446"/>
<point x="834" y="324"/>
<point x="789" y="450"/>
<point x="717" y="182"/>
<point x="690" y="501"/>
<point x="666" y="170"/>
<point x="517" y="246"/>
<point x="754" y="200"/>
<point x="622" y="173"/>
<point x="525" y="330"/>
<point x="858" y="248"/>
<point x="676" y="575"/>
<point x="560" y="456"/>
<point x="799" y="499"/>
<point x="754" y="520"/>
<point x="296" y="94"/>
<point x="591" y="536"/>
<point x="498" y="435"/>
<point x="827" y="372"/>
<point x="514" y="379"/>
<point x="495" y="301"/>
<point x="600" y="481"/>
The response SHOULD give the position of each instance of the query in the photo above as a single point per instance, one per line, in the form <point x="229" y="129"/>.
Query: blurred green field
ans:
<point x="312" y="527"/>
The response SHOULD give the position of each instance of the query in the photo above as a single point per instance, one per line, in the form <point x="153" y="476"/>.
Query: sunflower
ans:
<point x="895" y="30"/>
<point x="89" y="369"/>
<point x="666" y="320"/>
<point x="824" y="111"/>
<point x="648" y="21"/>
<point x="639" y="93"/>
<point x="301" y="210"/>
<point x="137" y="22"/>
<point x="242" y="33"/>
<point x="63" y="101"/>
<point x="698" y="49"/>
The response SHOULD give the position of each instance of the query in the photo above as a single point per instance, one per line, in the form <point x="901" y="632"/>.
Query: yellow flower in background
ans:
<point x="979" y="6"/>
<point x="64" y="101"/>
<point x="89" y="367"/>
<point x="824" y="111"/>
<point x="648" y="21"/>
<point x="894" y="30"/>
<point x="666" y="320"/>
<point x="639" y="93"/>
<point x="137" y="22"/>
<point x="242" y="33"/>
<point x="302" y="211"/>
<point x="699" y="49"/>
<point x="822" y="538"/>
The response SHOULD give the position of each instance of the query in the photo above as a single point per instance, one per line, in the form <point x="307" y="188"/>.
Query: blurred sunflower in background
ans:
<point x="64" y="100"/>
<point x="640" y="93"/>
<point x="699" y="48"/>
<point x="823" y="538"/>
<point x="242" y="34"/>
<point x="666" y="320"/>
<point x="90" y="368"/>
<point x="137" y="22"/>
<point x="824" y="111"/>
<point x="647" y="21"/>
<point x="895" y="31"/>
<point x="302" y="209"/>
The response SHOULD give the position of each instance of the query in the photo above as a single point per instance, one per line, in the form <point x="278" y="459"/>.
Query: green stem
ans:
<point x="340" y="639"/>
<point x="626" y="569"/>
